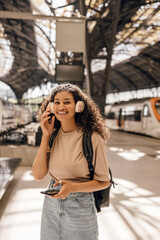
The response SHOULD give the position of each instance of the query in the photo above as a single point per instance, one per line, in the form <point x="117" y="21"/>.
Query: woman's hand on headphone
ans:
<point x="47" y="123"/>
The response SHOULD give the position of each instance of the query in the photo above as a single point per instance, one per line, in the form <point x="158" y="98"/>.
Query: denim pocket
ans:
<point x="84" y="201"/>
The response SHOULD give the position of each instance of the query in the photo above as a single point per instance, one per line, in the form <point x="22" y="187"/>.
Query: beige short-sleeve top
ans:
<point x="67" y="161"/>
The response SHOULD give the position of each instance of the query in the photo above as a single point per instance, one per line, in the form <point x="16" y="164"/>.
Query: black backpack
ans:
<point x="102" y="197"/>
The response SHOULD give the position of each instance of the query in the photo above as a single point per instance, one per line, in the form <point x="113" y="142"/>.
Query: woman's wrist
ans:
<point x="46" y="135"/>
<point x="45" y="138"/>
<point x="73" y="187"/>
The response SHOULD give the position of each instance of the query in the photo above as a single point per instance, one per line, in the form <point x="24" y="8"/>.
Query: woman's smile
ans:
<point x="62" y="113"/>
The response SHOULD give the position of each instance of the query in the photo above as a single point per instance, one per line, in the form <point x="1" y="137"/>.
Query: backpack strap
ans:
<point x="88" y="152"/>
<point x="53" y="136"/>
<point x="111" y="178"/>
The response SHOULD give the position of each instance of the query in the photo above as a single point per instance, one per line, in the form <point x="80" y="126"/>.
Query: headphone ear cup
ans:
<point x="79" y="107"/>
<point x="51" y="106"/>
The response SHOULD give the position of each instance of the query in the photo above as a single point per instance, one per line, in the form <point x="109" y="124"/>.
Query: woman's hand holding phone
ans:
<point x="47" y="121"/>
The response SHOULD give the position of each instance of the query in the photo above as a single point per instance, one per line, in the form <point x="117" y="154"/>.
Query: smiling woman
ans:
<point x="71" y="213"/>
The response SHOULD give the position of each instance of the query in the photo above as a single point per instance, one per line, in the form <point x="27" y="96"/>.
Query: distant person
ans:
<point x="71" y="213"/>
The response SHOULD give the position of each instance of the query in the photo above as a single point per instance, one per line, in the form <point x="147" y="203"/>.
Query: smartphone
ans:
<point x="50" y="115"/>
<point x="50" y="192"/>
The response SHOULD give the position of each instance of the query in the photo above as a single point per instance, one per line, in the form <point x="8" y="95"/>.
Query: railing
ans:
<point x="7" y="168"/>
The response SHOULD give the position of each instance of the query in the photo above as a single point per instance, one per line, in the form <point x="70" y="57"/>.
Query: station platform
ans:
<point x="134" y="212"/>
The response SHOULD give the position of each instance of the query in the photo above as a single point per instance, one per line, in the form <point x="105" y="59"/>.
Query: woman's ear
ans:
<point x="79" y="107"/>
<point x="51" y="104"/>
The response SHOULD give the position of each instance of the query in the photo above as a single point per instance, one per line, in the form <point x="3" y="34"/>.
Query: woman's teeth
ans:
<point x="62" y="112"/>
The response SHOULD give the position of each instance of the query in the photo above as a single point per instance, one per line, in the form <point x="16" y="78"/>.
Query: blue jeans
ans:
<point x="73" y="218"/>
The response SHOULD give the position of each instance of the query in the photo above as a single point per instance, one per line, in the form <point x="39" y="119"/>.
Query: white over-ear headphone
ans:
<point x="51" y="106"/>
<point x="79" y="107"/>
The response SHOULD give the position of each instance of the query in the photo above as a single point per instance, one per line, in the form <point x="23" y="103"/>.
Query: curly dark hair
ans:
<point x="90" y="120"/>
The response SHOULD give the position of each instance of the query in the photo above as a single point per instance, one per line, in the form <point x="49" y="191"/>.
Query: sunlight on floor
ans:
<point x="130" y="154"/>
<point x="134" y="212"/>
<point x="22" y="216"/>
<point x="137" y="211"/>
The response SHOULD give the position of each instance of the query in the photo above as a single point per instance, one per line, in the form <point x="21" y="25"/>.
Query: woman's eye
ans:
<point x="56" y="103"/>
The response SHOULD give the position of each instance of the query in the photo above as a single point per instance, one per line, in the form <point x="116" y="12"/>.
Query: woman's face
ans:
<point x="64" y="106"/>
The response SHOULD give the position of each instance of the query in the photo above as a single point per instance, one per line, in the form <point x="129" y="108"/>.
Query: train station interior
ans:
<point x="110" y="50"/>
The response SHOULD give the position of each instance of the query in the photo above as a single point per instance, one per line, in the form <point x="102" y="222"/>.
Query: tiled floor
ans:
<point x="134" y="213"/>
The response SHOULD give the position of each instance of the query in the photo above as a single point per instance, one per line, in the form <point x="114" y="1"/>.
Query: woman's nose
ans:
<point x="61" y="106"/>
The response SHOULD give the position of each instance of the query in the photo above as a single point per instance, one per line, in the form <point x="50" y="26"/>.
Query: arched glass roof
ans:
<point x="27" y="47"/>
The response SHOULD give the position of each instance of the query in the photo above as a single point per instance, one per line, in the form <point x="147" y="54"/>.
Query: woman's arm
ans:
<point x="71" y="187"/>
<point x="90" y="186"/>
<point x="40" y="165"/>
